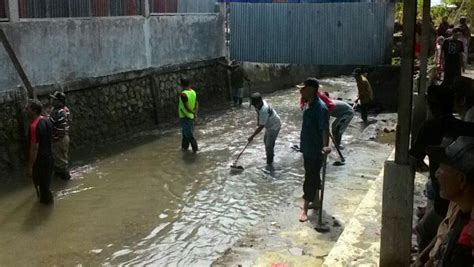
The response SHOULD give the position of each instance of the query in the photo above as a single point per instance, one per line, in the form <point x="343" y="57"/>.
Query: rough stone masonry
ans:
<point x="115" y="107"/>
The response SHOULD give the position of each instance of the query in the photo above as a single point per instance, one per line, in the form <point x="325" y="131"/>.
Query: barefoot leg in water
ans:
<point x="304" y="212"/>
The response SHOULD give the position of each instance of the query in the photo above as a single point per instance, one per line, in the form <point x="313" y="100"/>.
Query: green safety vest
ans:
<point x="182" y="111"/>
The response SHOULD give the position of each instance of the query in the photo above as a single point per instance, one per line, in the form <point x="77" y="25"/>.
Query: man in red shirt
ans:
<point x="40" y="160"/>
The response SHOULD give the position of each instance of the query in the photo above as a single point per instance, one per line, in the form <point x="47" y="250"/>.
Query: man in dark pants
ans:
<point x="40" y="160"/>
<point x="365" y="93"/>
<point x="60" y="118"/>
<point x="314" y="142"/>
<point x="187" y="111"/>
<point x="237" y="77"/>
<point x="451" y="56"/>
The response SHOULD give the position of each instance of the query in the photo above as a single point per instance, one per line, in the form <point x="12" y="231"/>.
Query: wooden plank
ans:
<point x="16" y="63"/>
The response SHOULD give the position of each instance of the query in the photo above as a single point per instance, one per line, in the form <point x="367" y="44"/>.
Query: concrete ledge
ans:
<point x="359" y="243"/>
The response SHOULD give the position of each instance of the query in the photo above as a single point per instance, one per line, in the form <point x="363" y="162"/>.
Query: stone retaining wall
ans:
<point x="115" y="107"/>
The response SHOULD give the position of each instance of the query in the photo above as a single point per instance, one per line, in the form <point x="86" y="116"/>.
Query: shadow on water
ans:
<point x="38" y="216"/>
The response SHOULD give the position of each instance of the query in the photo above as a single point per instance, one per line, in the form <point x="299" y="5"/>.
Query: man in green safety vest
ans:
<point x="187" y="110"/>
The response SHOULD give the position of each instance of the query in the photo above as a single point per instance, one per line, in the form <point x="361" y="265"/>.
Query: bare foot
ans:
<point x="303" y="217"/>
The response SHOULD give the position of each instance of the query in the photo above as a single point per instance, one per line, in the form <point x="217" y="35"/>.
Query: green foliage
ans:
<point x="438" y="12"/>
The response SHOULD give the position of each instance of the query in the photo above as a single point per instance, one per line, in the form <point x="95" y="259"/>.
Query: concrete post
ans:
<point x="13" y="11"/>
<point x="147" y="8"/>
<point x="397" y="214"/>
<point x="419" y="113"/>
<point x="397" y="207"/>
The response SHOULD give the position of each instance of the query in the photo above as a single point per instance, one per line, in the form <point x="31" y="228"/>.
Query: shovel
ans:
<point x="320" y="227"/>
<point x="234" y="166"/>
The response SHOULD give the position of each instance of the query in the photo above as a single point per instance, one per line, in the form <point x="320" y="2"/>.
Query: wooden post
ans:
<point x="419" y="114"/>
<point x="16" y="63"/>
<point x="405" y="92"/>
<point x="397" y="206"/>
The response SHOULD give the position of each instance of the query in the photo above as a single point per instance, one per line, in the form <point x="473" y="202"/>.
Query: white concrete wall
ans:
<point x="58" y="50"/>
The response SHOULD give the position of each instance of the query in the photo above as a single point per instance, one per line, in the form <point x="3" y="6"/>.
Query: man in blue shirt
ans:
<point x="314" y="142"/>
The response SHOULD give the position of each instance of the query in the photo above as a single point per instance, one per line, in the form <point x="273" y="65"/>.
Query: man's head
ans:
<point x="457" y="33"/>
<point x="34" y="108"/>
<point x="256" y="100"/>
<point x="440" y="40"/>
<point x="463" y="95"/>
<point x="184" y="83"/>
<point x="440" y="100"/>
<point x="456" y="172"/>
<point x="308" y="89"/>
<point x="357" y="73"/>
<point x="445" y="19"/>
<point x="58" y="99"/>
<point x="463" y="21"/>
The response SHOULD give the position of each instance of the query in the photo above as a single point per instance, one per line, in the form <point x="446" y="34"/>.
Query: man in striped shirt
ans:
<point x="60" y="117"/>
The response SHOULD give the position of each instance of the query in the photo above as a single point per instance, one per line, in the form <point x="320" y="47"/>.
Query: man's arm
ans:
<point x="257" y="131"/>
<point x="32" y="158"/>
<point x="196" y="109"/>
<point x="326" y="148"/>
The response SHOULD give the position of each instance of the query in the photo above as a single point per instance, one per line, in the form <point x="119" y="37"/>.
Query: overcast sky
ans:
<point x="436" y="2"/>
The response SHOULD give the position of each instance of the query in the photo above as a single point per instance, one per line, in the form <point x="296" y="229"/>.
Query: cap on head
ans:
<point x="309" y="82"/>
<point x="459" y="154"/>
<point x="256" y="98"/>
<point x="58" y="95"/>
<point x="357" y="71"/>
<point x="184" y="82"/>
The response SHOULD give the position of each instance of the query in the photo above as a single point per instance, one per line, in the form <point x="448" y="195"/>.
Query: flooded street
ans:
<point x="147" y="202"/>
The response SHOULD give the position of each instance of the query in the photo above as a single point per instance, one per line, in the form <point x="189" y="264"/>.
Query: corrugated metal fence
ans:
<point x="323" y="34"/>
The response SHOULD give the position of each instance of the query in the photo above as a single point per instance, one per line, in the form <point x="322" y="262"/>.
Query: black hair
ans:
<point x="256" y="98"/>
<point x="184" y="82"/>
<point x="440" y="98"/>
<point x="464" y="88"/>
<point x="35" y="105"/>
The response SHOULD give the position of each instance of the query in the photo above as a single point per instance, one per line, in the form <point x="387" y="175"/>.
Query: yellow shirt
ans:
<point x="366" y="95"/>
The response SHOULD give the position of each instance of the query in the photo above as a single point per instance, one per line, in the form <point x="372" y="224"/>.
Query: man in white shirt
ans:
<point x="268" y="119"/>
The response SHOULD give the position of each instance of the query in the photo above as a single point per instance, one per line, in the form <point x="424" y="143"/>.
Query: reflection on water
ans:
<point x="150" y="203"/>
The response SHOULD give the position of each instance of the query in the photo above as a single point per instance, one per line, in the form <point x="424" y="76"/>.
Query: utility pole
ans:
<point x="398" y="185"/>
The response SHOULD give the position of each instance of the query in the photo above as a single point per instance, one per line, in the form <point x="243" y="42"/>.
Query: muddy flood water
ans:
<point x="147" y="202"/>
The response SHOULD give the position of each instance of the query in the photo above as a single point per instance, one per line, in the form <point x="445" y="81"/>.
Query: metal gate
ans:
<point x="322" y="34"/>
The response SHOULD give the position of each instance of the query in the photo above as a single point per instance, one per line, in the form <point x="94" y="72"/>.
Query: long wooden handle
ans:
<point x="337" y="149"/>
<point x="323" y="181"/>
<point x="241" y="152"/>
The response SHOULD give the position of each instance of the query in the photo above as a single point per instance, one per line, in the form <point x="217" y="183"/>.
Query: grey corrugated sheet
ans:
<point x="197" y="6"/>
<point x="324" y="34"/>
